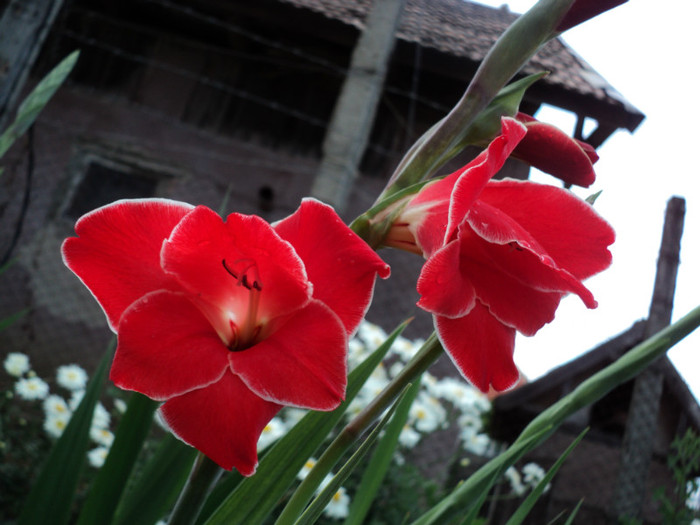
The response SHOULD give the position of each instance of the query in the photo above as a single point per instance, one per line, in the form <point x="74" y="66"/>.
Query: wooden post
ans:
<point x="353" y="115"/>
<point x="23" y="29"/>
<point x="640" y="430"/>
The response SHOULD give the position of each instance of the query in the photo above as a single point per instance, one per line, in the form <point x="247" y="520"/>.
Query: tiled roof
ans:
<point x="467" y="29"/>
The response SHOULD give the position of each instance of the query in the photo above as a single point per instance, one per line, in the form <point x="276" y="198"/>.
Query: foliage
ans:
<point x="681" y="507"/>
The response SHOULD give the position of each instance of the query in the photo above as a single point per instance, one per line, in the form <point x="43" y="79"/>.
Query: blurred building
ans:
<point x="215" y="102"/>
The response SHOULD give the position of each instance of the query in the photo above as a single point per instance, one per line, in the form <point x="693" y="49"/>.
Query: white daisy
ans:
<point x="274" y="430"/>
<point x="31" y="388"/>
<point x="339" y="505"/>
<point x="97" y="456"/>
<point x="100" y="417"/>
<point x="463" y="396"/>
<point x="120" y="405"/>
<point x="404" y="348"/>
<point x="55" y="424"/>
<point x="371" y="334"/>
<point x="427" y="414"/>
<point x="102" y="436"/>
<point x="71" y="377"/>
<point x="292" y="415"/>
<point x="16" y="364"/>
<point x="515" y="480"/>
<point x="357" y="352"/>
<point x="56" y="406"/>
<point x="75" y="398"/>
<point x="408" y="437"/>
<point x="474" y="442"/>
<point x="310" y="463"/>
<point x="533" y="474"/>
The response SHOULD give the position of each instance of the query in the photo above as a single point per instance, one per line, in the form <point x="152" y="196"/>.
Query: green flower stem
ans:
<point x="510" y="52"/>
<point x="425" y="357"/>
<point x="205" y="473"/>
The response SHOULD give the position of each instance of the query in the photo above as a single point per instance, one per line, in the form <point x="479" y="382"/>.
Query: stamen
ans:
<point x="242" y="277"/>
<point x="245" y="271"/>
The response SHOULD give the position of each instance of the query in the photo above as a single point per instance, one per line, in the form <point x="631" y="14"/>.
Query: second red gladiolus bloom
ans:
<point x="226" y="321"/>
<point x="500" y="256"/>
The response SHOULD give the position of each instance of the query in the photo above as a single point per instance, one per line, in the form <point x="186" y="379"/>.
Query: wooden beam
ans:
<point x="353" y="115"/>
<point x="640" y="430"/>
<point x="23" y="29"/>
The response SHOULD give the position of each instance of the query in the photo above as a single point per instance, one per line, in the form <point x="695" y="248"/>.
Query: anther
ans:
<point x="243" y="277"/>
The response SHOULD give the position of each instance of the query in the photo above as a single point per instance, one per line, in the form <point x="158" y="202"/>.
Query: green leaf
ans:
<point x="570" y="520"/>
<point x="472" y="492"/>
<point x="381" y="459"/>
<point x="10" y="319"/>
<point x="526" y="506"/>
<point x="154" y="493"/>
<point x="593" y="197"/>
<point x="52" y="495"/>
<point x="319" y="503"/>
<point x="36" y="100"/>
<point x="111" y="480"/>
<point x="478" y="130"/>
<point x="254" y="498"/>
<point x="540" y="428"/>
<point x="487" y="125"/>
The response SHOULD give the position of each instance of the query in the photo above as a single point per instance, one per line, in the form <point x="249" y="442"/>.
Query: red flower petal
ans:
<point x="195" y="255"/>
<point x="117" y="251"/>
<point x="341" y="266"/>
<point x="582" y="10"/>
<point x="167" y="347"/>
<point x="481" y="347"/>
<point x="223" y="420"/>
<point x="568" y="229"/>
<point x="301" y="363"/>
<point x="444" y="289"/>
<point x="515" y="252"/>
<point x="460" y="189"/>
<point x="509" y="299"/>
<point x="552" y="151"/>
<point x="472" y="181"/>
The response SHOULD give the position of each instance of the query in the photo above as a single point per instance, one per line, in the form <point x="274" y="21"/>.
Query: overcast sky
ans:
<point x="649" y="54"/>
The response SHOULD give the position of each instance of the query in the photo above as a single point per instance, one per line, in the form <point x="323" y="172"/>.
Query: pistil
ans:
<point x="245" y="271"/>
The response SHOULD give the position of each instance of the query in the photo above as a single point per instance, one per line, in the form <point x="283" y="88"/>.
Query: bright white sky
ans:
<point x="649" y="54"/>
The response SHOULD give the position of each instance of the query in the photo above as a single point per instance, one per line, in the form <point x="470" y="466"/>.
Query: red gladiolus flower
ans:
<point x="226" y="321"/>
<point x="500" y="256"/>
<point x="552" y="151"/>
<point x="582" y="10"/>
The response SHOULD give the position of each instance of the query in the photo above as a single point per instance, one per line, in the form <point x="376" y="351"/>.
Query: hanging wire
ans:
<point x="25" y="198"/>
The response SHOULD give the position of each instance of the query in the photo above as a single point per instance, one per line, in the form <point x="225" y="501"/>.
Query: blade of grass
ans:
<point x="379" y="464"/>
<point x="526" y="506"/>
<point x="314" y="510"/>
<point x="11" y="319"/>
<point x="570" y="520"/>
<point x="111" y="480"/>
<point x="155" y="491"/>
<point x="540" y="428"/>
<point x="30" y="108"/>
<point x="52" y="495"/>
